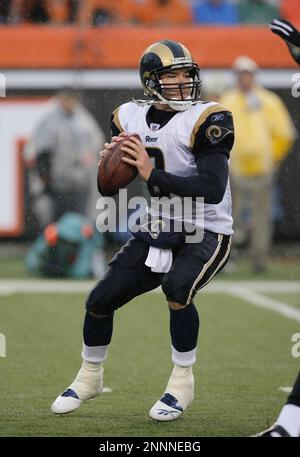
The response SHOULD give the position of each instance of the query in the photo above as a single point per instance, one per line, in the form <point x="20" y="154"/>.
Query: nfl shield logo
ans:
<point x="154" y="127"/>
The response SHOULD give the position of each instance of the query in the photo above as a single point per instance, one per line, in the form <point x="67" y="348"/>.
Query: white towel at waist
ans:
<point x="159" y="260"/>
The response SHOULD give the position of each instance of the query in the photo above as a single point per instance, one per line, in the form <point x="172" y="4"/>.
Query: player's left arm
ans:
<point x="211" y="147"/>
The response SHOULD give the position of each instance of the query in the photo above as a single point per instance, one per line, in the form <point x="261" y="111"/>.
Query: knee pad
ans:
<point x="100" y="301"/>
<point x="175" y="289"/>
<point x="170" y="288"/>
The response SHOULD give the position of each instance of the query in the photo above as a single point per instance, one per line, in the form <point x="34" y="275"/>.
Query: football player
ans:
<point x="289" y="34"/>
<point x="190" y="147"/>
<point x="288" y="421"/>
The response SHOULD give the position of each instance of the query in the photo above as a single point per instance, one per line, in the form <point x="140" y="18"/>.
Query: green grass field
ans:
<point x="244" y="356"/>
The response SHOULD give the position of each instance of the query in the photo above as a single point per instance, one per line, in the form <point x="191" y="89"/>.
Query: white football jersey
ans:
<point x="171" y="148"/>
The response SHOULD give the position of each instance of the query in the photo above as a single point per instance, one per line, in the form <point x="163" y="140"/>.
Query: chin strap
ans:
<point x="182" y="105"/>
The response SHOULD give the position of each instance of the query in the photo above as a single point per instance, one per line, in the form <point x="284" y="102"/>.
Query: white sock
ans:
<point x="289" y="419"/>
<point x="183" y="359"/>
<point x="94" y="354"/>
<point x="181" y="385"/>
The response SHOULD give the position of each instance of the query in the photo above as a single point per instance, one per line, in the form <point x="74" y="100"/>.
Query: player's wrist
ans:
<point x="146" y="175"/>
<point x="152" y="175"/>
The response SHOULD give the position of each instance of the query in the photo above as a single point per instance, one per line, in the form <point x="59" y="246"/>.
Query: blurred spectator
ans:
<point x="27" y="11"/>
<point x="4" y="11"/>
<point x="219" y="12"/>
<point x="264" y="133"/>
<point x="213" y="87"/>
<point x="163" y="12"/>
<point x="64" y="152"/>
<point x="59" y="11"/>
<point x="256" y="11"/>
<point x="39" y="11"/>
<point x="70" y="248"/>
<point x="290" y="10"/>
<point x="148" y="12"/>
<point x="99" y="12"/>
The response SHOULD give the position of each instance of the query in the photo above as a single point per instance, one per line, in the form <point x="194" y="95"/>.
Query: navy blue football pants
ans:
<point x="194" y="265"/>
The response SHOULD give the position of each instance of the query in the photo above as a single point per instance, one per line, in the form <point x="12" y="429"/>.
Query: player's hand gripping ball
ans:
<point x="113" y="172"/>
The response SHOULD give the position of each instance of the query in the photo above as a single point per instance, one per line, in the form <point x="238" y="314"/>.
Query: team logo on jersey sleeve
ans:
<point x="215" y="133"/>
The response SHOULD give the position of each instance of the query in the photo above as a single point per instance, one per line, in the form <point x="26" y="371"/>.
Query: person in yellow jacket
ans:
<point x="264" y="135"/>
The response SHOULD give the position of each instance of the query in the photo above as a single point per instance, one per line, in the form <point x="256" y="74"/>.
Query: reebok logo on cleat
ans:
<point x="164" y="412"/>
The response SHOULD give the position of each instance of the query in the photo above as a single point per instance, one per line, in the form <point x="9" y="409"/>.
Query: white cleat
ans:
<point x="88" y="384"/>
<point x="166" y="409"/>
<point x="65" y="403"/>
<point x="178" y="395"/>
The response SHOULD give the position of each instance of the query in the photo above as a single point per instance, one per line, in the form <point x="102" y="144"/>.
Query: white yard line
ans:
<point x="250" y="296"/>
<point x="258" y="286"/>
<point x="249" y="291"/>
<point x="11" y="286"/>
<point x="287" y="390"/>
<point x="106" y="390"/>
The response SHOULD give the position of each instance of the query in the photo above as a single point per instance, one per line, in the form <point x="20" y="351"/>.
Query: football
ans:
<point x="113" y="172"/>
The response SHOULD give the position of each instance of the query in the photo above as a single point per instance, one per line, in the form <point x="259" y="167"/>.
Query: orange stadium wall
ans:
<point x="25" y="47"/>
